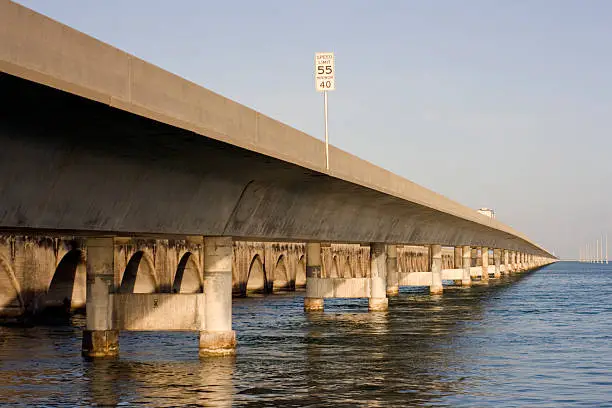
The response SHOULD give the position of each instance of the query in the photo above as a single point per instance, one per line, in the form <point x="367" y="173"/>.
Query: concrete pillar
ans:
<point x="378" y="278"/>
<point x="458" y="258"/>
<point x="436" y="270"/>
<point x="497" y="260"/>
<point x="99" y="340"/>
<point x="392" y="272"/>
<point x="313" y="271"/>
<point x="484" y="256"/>
<point x="219" y="338"/>
<point x="467" y="264"/>
<point x="513" y="261"/>
<point x="506" y="262"/>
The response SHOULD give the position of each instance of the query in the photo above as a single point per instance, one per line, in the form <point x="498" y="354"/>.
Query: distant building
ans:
<point x="488" y="212"/>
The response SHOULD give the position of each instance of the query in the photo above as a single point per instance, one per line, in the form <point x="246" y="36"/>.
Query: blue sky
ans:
<point x="504" y="104"/>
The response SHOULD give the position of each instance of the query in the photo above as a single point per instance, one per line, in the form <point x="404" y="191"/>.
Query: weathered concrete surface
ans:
<point x="476" y="271"/>
<point x="452" y="274"/>
<point x="436" y="287"/>
<point x="415" y="279"/>
<point x="218" y="337"/>
<point x="424" y="278"/>
<point x="38" y="272"/>
<point x="158" y="311"/>
<point x="339" y="287"/>
<point x="412" y="258"/>
<point x="267" y="267"/>
<point x="117" y="147"/>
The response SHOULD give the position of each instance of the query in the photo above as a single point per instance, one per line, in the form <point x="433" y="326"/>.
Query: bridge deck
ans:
<point x="250" y="176"/>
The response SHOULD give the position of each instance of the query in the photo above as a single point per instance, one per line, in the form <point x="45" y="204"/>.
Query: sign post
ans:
<point x="325" y="80"/>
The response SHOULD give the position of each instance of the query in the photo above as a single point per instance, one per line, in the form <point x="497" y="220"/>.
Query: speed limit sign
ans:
<point x="325" y="71"/>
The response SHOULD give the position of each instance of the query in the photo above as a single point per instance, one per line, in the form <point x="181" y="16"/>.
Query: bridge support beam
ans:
<point x="436" y="270"/>
<point x="484" y="256"/>
<point x="497" y="260"/>
<point x="218" y="338"/>
<point x="313" y="272"/>
<point x="392" y="272"/>
<point x="99" y="338"/>
<point x="378" y="300"/>
<point x="467" y="264"/>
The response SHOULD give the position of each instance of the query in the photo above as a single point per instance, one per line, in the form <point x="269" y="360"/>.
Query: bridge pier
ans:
<point x="378" y="300"/>
<point x="99" y="338"/>
<point x="467" y="265"/>
<point x="497" y="261"/>
<point x="218" y="338"/>
<point x="392" y="272"/>
<point x="484" y="256"/>
<point x="320" y="286"/>
<point x="110" y="310"/>
<point x="436" y="270"/>
<point x="313" y="274"/>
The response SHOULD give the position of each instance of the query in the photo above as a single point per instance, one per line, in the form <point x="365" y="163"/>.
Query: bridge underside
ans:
<point x="71" y="164"/>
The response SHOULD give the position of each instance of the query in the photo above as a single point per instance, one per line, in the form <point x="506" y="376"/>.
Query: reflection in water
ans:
<point x="204" y="383"/>
<point x="542" y="340"/>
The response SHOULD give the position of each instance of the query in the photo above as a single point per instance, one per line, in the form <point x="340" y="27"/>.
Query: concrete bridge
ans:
<point x="161" y="198"/>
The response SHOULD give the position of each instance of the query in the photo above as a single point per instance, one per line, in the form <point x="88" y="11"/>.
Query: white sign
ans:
<point x="325" y="71"/>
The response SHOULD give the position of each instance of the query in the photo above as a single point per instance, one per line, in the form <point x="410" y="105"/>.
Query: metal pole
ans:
<point x="606" y="248"/>
<point x="326" y="135"/>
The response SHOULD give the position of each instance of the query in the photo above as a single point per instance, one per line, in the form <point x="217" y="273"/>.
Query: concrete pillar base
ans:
<point x="313" y="304"/>
<point x="378" y="304"/>
<point x="100" y="343"/>
<point x="467" y="282"/>
<point x="392" y="290"/>
<point x="436" y="290"/>
<point x="217" y="343"/>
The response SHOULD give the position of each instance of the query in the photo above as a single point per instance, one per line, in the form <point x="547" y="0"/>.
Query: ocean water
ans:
<point x="538" y="339"/>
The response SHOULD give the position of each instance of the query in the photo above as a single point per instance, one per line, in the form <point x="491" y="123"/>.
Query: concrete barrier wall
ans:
<point x="452" y="274"/>
<point x="158" y="311"/>
<point x="338" y="287"/>
<point x="475" y="271"/>
<point x="415" y="279"/>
